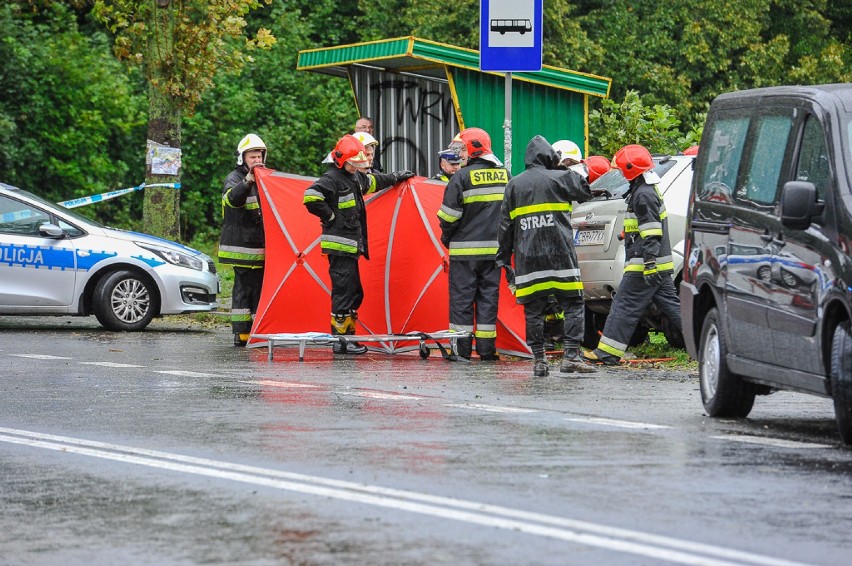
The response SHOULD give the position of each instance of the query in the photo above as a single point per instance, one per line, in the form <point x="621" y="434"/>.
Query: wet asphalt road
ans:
<point x="172" y="447"/>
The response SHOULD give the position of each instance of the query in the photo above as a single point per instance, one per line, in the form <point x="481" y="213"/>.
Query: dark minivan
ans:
<point x="766" y="296"/>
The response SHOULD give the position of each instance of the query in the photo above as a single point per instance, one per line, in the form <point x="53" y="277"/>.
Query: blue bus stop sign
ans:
<point x="510" y="35"/>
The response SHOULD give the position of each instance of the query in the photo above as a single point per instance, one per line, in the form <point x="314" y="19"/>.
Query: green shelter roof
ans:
<point x="429" y="59"/>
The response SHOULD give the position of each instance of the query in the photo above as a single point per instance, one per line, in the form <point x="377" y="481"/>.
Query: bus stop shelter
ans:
<point x="420" y="94"/>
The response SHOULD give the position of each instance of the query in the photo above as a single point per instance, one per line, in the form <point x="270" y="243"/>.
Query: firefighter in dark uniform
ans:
<point x="337" y="199"/>
<point x="535" y="227"/>
<point x="648" y="258"/>
<point x="242" y="244"/>
<point x="469" y="218"/>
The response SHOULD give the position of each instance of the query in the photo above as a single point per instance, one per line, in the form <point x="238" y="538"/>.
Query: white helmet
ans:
<point x="566" y="149"/>
<point x="365" y="138"/>
<point x="248" y="143"/>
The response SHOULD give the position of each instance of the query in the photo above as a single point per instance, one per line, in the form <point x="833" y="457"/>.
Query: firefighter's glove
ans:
<point x="400" y="176"/>
<point x="329" y="221"/>
<point x="510" y="278"/>
<point x="653" y="278"/>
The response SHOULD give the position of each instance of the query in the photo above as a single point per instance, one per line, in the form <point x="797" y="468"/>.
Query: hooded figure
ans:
<point x="535" y="227"/>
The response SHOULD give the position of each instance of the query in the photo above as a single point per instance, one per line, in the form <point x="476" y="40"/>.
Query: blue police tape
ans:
<point x="74" y="203"/>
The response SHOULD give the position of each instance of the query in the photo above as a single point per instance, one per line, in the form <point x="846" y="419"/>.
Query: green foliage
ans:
<point x="71" y="118"/>
<point x="656" y="127"/>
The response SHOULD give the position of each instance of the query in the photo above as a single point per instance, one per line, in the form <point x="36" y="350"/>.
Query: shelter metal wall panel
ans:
<point x="413" y="117"/>
<point x="536" y="109"/>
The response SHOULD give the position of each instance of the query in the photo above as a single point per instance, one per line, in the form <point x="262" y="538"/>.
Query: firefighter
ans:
<point x="337" y="199"/>
<point x="648" y="258"/>
<point x="449" y="162"/>
<point x="469" y="217"/>
<point x="242" y="243"/>
<point x="597" y="166"/>
<point x="535" y="227"/>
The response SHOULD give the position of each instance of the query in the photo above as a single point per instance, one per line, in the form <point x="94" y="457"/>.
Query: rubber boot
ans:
<point x="572" y="362"/>
<point x="339" y="328"/>
<point x="354" y="347"/>
<point x="541" y="369"/>
<point x="599" y="357"/>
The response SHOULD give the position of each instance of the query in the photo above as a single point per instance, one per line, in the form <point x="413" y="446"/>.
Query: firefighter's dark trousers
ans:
<point x="573" y="325"/>
<point x="631" y="301"/>
<point x="346" y="290"/>
<point x="245" y="297"/>
<point x="474" y="294"/>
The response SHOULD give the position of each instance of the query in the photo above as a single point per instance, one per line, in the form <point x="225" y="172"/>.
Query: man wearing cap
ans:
<point x="450" y="162"/>
<point x="648" y="262"/>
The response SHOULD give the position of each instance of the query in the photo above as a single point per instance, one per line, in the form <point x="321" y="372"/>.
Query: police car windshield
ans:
<point x="614" y="185"/>
<point x="55" y="207"/>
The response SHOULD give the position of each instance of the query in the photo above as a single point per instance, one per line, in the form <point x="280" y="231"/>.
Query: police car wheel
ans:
<point x="125" y="301"/>
<point x="724" y="393"/>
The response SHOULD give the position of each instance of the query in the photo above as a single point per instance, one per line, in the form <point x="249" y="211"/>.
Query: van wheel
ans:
<point x="724" y="394"/>
<point x="124" y="301"/>
<point x="841" y="380"/>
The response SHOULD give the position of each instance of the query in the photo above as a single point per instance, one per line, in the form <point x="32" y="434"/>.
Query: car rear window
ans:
<point x="616" y="185"/>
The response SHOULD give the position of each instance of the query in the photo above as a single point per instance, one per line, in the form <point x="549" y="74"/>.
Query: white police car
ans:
<point x="54" y="261"/>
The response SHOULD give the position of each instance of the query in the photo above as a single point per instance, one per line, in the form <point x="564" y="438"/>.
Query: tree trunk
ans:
<point x="161" y="209"/>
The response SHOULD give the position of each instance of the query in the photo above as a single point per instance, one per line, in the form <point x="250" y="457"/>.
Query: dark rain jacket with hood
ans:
<point x="535" y="225"/>
<point x="337" y="199"/>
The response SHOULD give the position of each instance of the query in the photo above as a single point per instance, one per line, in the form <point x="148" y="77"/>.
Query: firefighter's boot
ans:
<point x="541" y="369"/>
<point x="241" y="339"/>
<point x="354" y="347"/>
<point x="599" y="357"/>
<point x="572" y="362"/>
<point x="340" y="325"/>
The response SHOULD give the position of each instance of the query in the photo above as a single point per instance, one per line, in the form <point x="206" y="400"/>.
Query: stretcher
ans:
<point x="303" y="339"/>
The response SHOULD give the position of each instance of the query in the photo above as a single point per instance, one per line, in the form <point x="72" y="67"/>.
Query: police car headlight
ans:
<point x="174" y="257"/>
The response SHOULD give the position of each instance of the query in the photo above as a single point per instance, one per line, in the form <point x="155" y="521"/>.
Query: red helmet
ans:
<point x="597" y="166"/>
<point x="477" y="141"/>
<point x="633" y="160"/>
<point x="349" y="148"/>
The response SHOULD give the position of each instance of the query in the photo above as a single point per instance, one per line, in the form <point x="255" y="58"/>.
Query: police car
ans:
<point x="54" y="261"/>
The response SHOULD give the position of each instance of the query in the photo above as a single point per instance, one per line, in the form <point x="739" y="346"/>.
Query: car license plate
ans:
<point x="588" y="237"/>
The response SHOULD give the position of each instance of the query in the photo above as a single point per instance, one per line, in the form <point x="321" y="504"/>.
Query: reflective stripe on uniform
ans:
<point x="488" y="194"/>
<point x="339" y="244"/>
<point x="448" y="214"/>
<point x="461" y="327"/>
<point x="312" y="195"/>
<point x="473" y="248"/>
<point x="612" y="347"/>
<point x="547" y="274"/>
<point x="347" y="201"/>
<point x="543" y="207"/>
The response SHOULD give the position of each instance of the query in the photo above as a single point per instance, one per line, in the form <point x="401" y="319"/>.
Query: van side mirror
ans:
<point x="799" y="204"/>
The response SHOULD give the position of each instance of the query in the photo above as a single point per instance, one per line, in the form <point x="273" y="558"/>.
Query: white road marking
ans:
<point x="614" y="422"/>
<point x="273" y="383"/>
<point x="111" y="365"/>
<point x="183" y="373"/>
<point x="766" y="441"/>
<point x="40" y="356"/>
<point x="379" y="395"/>
<point x="489" y="408"/>
<point x="570" y="530"/>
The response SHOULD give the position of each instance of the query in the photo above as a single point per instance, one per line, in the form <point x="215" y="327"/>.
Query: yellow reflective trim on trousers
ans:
<point x="544" y="207"/>
<point x="339" y="247"/>
<point x="610" y="350"/>
<point x="485" y="334"/>
<point x="472" y="251"/>
<point x="561" y="285"/>
<point x="483" y="198"/>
